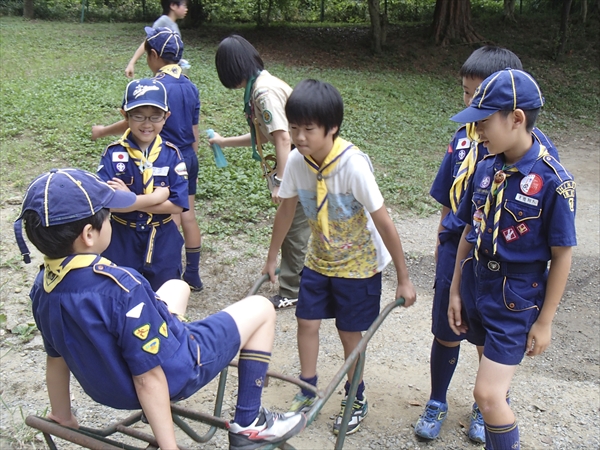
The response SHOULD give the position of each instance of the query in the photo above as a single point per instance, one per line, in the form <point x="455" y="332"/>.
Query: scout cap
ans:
<point x="166" y="42"/>
<point x="66" y="195"/>
<point x="145" y="92"/>
<point x="506" y="90"/>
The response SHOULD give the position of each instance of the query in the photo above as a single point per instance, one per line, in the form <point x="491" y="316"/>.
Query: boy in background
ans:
<point x="519" y="211"/>
<point x="173" y="10"/>
<point x="164" y="49"/>
<point x="125" y="343"/>
<point x="145" y="236"/>
<point x="456" y="168"/>
<point x="352" y="240"/>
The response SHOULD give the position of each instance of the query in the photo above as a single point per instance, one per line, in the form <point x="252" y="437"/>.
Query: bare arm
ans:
<point x="166" y="207"/>
<point x="455" y="304"/>
<point x="153" y="393"/>
<point x="130" y="69"/>
<point x="281" y="225"/>
<point x="389" y="235"/>
<point x="282" y="151"/>
<point x="144" y="201"/>
<point x="115" y="129"/>
<point x="244" y="140"/>
<point x="540" y="334"/>
<point x="57" y="381"/>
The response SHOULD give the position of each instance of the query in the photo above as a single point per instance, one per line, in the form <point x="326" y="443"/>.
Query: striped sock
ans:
<point x="252" y="368"/>
<point x="503" y="436"/>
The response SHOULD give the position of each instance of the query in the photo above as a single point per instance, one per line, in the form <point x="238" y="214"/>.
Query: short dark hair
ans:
<point x="237" y="61"/>
<point x="166" y="5"/>
<point x="531" y="116"/>
<point x="57" y="241"/>
<point x="317" y="102"/>
<point x="487" y="60"/>
<point x="149" y="49"/>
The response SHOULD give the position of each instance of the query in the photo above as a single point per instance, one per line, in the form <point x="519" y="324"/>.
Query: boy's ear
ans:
<point x="168" y="113"/>
<point x="333" y="130"/>
<point x="123" y="113"/>
<point x="519" y="118"/>
<point x="86" y="238"/>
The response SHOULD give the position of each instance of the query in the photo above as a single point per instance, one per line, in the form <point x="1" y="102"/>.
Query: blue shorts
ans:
<point x="443" y="278"/>
<point x="191" y="163"/>
<point x="352" y="302"/>
<point x="217" y="339"/>
<point x="501" y="309"/>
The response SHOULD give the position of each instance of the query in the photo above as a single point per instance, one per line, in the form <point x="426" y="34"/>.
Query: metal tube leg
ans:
<point x="358" y="370"/>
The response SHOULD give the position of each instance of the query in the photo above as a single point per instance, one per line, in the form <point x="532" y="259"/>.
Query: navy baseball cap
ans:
<point x="145" y="92"/>
<point x="66" y="195"/>
<point x="166" y="42"/>
<point x="506" y="90"/>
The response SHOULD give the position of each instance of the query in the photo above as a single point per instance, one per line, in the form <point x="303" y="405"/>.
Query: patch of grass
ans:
<point x="18" y="433"/>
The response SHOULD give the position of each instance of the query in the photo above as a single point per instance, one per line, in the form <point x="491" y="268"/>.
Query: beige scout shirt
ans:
<point x="268" y="98"/>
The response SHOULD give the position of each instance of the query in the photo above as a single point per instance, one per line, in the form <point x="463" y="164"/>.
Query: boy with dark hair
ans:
<point x="352" y="240"/>
<point x="456" y="168"/>
<point x="519" y="211"/>
<point x="240" y="66"/>
<point x="173" y="10"/>
<point x="126" y="344"/>
<point x="145" y="236"/>
<point x="164" y="49"/>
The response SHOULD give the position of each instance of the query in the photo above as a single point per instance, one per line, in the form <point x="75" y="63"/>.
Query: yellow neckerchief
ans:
<point x="170" y="69"/>
<point x="56" y="269"/>
<point x="331" y="160"/>
<point x="466" y="169"/>
<point x="497" y="191"/>
<point x="143" y="160"/>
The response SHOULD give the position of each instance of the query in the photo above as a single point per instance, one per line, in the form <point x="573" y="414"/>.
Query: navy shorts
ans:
<point x="217" y="340"/>
<point x="352" y="302"/>
<point x="501" y="309"/>
<point x="191" y="163"/>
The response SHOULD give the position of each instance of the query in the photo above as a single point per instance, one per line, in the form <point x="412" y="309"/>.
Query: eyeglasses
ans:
<point x="141" y="118"/>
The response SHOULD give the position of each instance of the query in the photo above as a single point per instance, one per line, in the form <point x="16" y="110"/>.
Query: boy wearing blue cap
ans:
<point x="164" y="49"/>
<point x="463" y="152"/>
<point x="145" y="236"/>
<point x="520" y="213"/>
<point x="125" y="343"/>
<point x="352" y="236"/>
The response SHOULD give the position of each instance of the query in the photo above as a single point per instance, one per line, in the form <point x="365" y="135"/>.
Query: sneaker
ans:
<point x="280" y="302"/>
<point x="430" y="423"/>
<point x="193" y="281"/>
<point x="302" y="403"/>
<point x="476" y="428"/>
<point x="360" y="408"/>
<point x="268" y="428"/>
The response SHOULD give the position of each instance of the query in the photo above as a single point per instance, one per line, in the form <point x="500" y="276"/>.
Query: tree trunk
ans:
<point x="509" y="10"/>
<point x="28" y="9"/>
<point x="564" y="27"/>
<point x="376" y="32"/>
<point x="584" y="11"/>
<point x="269" y="8"/>
<point x="452" y="22"/>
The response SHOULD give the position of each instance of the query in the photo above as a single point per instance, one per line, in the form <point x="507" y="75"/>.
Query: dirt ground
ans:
<point x="555" y="396"/>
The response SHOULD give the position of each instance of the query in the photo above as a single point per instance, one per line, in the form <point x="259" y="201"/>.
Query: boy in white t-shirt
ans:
<point x="352" y="236"/>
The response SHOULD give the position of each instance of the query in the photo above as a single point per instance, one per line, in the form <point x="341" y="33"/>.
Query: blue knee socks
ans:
<point x="252" y="368"/>
<point x="442" y="366"/>
<point x="192" y="266"/>
<point x="503" y="436"/>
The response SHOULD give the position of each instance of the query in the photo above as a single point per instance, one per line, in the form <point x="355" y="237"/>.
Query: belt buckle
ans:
<point x="494" y="266"/>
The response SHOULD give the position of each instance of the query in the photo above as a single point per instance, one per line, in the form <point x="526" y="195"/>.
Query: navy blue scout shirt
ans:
<point x="108" y="325"/>
<point x="458" y="149"/>
<point x="168" y="171"/>
<point x="538" y="210"/>
<point x="183" y="100"/>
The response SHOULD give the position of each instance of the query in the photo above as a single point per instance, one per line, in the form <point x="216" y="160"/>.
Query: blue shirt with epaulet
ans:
<point x="538" y="210"/>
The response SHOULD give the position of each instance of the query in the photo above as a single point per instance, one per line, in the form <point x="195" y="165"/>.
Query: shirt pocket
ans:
<point x="125" y="178"/>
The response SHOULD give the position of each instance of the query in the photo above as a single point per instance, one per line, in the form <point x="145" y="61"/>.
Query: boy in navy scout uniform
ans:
<point x="164" y="49"/>
<point x="125" y="343"/>
<point x="463" y="153"/>
<point x="145" y="236"/>
<point x="519" y="211"/>
<point x="352" y="236"/>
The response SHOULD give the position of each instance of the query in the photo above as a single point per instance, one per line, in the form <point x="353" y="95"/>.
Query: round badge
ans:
<point x="499" y="177"/>
<point x="485" y="182"/>
<point x="531" y="184"/>
<point x="121" y="167"/>
<point x="267" y="116"/>
<point x="462" y="154"/>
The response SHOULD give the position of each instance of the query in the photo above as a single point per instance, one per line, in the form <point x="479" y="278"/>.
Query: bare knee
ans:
<point x="487" y="399"/>
<point x="308" y="326"/>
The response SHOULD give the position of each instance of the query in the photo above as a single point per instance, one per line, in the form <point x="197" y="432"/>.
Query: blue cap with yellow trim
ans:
<point x="506" y="90"/>
<point x="145" y="92"/>
<point x="166" y="42"/>
<point x="66" y="195"/>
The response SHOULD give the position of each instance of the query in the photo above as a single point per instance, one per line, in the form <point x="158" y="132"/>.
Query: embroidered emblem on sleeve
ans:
<point x="142" y="332"/>
<point x="267" y="116"/>
<point x="164" y="330"/>
<point x="181" y="169"/>
<point x="567" y="190"/>
<point x="136" y="311"/>
<point x="152" y="346"/>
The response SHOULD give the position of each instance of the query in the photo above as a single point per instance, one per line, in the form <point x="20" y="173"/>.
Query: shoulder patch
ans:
<point x="125" y="279"/>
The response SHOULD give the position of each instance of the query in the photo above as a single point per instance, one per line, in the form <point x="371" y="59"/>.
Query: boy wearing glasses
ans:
<point x="145" y="237"/>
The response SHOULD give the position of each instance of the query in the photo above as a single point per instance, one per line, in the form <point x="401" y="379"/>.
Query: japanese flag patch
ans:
<point x="120" y="157"/>
<point x="463" y="143"/>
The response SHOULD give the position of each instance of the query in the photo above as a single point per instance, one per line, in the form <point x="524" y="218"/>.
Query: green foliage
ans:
<point x="18" y="433"/>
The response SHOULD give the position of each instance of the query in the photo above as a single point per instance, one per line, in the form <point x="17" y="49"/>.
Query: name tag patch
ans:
<point x="160" y="171"/>
<point x="524" y="199"/>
